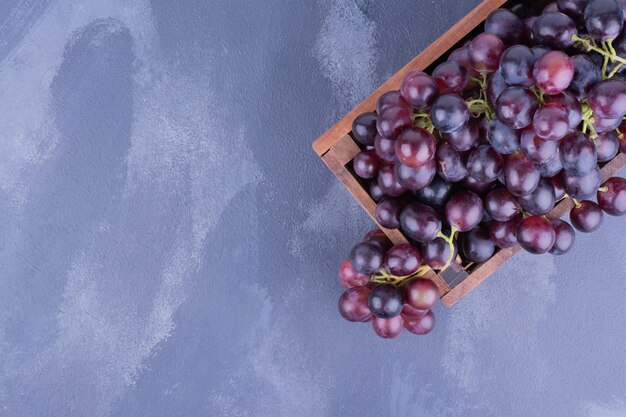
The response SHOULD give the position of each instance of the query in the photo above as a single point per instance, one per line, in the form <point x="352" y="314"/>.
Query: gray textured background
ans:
<point x="169" y="241"/>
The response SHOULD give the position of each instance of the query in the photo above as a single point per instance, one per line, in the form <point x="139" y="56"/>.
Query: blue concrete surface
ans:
<point x="169" y="241"/>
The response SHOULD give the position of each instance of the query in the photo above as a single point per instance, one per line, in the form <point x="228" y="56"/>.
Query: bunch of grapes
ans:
<point x="384" y="285"/>
<point x="472" y="157"/>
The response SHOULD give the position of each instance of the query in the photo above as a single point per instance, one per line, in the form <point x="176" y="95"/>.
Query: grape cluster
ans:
<point x="384" y="285"/>
<point x="472" y="157"/>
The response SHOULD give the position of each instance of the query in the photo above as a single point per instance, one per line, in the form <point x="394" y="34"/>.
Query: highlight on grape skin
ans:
<point x="470" y="156"/>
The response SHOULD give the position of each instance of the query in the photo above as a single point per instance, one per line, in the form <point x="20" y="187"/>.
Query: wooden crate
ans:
<point x="337" y="148"/>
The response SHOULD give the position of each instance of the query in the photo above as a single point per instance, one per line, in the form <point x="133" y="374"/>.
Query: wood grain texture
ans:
<point x="420" y="62"/>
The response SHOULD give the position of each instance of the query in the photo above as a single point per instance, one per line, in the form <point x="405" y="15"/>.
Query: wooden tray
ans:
<point x="337" y="148"/>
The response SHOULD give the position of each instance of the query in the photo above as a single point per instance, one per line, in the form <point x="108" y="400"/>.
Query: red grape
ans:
<point x="464" y="210"/>
<point x="520" y="174"/>
<point x="416" y="178"/>
<point x="364" y="128"/>
<point x="392" y="121"/>
<point x="503" y="234"/>
<point x="349" y="277"/>
<point x="366" y="164"/>
<point x="613" y="199"/>
<point x="465" y="137"/>
<point x="388" y="212"/>
<point x="419" y="89"/>
<point x="436" y="253"/>
<point x="553" y="72"/>
<point x="389" y="99"/>
<point x="485" y="51"/>
<point x="353" y="304"/>
<point x="608" y="99"/>
<point x="388" y="328"/>
<point x="451" y="77"/>
<point x="415" y="147"/>
<point x="388" y="181"/>
<point x="366" y="257"/>
<point x="408" y="311"/>
<point x="535" y="234"/>
<point x="484" y="163"/>
<point x="385" y="148"/>
<point x="516" y="106"/>
<point x="402" y="260"/>
<point x="385" y="301"/>
<point x="449" y="112"/>
<point x="420" y="222"/>
<point x="536" y="149"/>
<point x="551" y="122"/>
<point x="565" y="237"/>
<point x="476" y="245"/>
<point x="501" y="204"/>
<point x="555" y="30"/>
<point x="421" y="293"/>
<point x="586" y="216"/>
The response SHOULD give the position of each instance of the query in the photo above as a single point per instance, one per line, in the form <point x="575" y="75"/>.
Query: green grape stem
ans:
<point x="384" y="277"/>
<point x="607" y="51"/>
<point x="450" y="241"/>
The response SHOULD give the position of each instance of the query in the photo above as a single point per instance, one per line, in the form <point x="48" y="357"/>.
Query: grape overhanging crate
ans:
<point x="337" y="148"/>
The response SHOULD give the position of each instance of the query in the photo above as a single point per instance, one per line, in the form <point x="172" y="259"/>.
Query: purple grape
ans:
<point x="419" y="89"/>
<point x="515" y="107"/>
<point x="420" y="222"/>
<point x="449" y="112"/>
<point x="565" y="237"/>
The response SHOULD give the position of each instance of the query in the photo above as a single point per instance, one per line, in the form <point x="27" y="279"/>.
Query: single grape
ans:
<point x="484" y="163"/>
<point x="388" y="212"/>
<point x="535" y="234"/>
<point x="485" y="51"/>
<point x="461" y="57"/>
<point x="385" y="148"/>
<point x="551" y="167"/>
<point x="551" y="122"/>
<point x="451" y="77"/>
<point x="571" y="105"/>
<point x="366" y="164"/>
<point x="555" y="30"/>
<point x="586" y="74"/>
<point x="366" y="257"/>
<point x="375" y="191"/>
<point x="391" y="99"/>
<point x="612" y="199"/>
<point x="476" y="245"/>
<point x="536" y="149"/>
<point x="516" y="66"/>
<point x="392" y="121"/>
<point x="578" y="154"/>
<point x="504" y="234"/>
<point x="403" y="260"/>
<point x="449" y="112"/>
<point x="520" y="174"/>
<point x="436" y="253"/>
<point x="388" y="328"/>
<point x="349" y="277"/>
<point x="581" y="187"/>
<point x="516" y="106"/>
<point x="495" y="86"/>
<point x="388" y="181"/>
<point x="505" y="25"/>
<point x="465" y="137"/>
<point x="504" y="139"/>
<point x="553" y="72"/>
<point x="436" y="193"/>
<point x="420" y="325"/>
<point x="419" y="89"/>
<point x="607" y="99"/>
<point x="364" y="128"/>
<point x="420" y="222"/>
<point x="604" y="19"/>
<point x="464" y="210"/>
<point x="421" y="293"/>
<point x="385" y="301"/>
<point x="541" y="201"/>
<point x="565" y="237"/>
<point x="586" y="216"/>
<point x="415" y="147"/>
<point x="353" y="304"/>
<point x="501" y="204"/>
<point x="416" y="178"/>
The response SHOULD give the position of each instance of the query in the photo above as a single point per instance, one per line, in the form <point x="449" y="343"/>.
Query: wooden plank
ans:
<point x="420" y="62"/>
